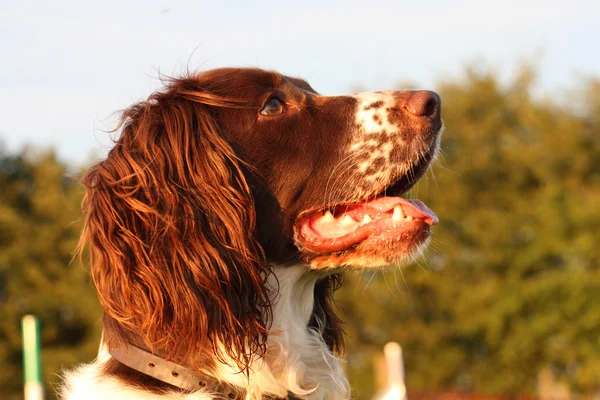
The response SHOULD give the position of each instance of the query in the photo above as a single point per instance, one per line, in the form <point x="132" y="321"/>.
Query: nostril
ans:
<point x="431" y="107"/>
<point x="423" y="103"/>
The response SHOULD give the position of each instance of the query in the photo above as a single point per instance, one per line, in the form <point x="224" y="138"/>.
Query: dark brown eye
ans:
<point x="273" y="107"/>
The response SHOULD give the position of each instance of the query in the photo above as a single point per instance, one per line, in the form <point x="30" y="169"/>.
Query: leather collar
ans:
<point x="178" y="375"/>
<point x="171" y="373"/>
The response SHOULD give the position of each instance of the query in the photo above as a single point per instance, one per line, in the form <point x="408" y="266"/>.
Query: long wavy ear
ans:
<point x="169" y="223"/>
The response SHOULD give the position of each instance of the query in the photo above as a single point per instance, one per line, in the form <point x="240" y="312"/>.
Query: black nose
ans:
<point x="424" y="103"/>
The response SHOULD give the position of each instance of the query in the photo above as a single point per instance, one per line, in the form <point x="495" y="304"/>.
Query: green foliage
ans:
<point x="39" y="211"/>
<point x="510" y="285"/>
<point x="512" y="282"/>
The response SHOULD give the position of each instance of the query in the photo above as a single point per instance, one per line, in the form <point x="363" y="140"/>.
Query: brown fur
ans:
<point x="169" y="222"/>
<point x="171" y="229"/>
<point x="200" y="195"/>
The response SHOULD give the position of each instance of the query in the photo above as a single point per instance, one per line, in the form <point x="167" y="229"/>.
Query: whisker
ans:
<point x="348" y="166"/>
<point x="367" y="285"/>
<point x="449" y="170"/>
<point x="359" y="280"/>
<point x="403" y="279"/>
<point x="434" y="178"/>
<point x="386" y="282"/>
<point x="419" y="264"/>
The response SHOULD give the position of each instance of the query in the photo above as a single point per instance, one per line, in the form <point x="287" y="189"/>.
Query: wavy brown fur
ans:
<point x="169" y="223"/>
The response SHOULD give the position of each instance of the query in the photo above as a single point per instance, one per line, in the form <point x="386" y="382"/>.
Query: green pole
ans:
<point x="32" y="364"/>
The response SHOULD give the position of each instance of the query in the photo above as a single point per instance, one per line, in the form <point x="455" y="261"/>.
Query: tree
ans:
<point x="512" y="284"/>
<point x="39" y="211"/>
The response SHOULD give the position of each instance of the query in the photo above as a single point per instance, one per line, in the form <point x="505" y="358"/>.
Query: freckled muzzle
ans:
<point x="396" y="138"/>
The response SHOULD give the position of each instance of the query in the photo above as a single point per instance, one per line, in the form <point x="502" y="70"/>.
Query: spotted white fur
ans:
<point x="376" y="137"/>
<point x="374" y="120"/>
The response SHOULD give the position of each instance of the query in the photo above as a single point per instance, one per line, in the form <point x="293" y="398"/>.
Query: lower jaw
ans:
<point x="373" y="252"/>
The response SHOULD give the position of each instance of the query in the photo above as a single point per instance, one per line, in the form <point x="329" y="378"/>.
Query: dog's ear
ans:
<point x="169" y="224"/>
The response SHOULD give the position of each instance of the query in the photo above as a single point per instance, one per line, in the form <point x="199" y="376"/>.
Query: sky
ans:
<point x="68" y="65"/>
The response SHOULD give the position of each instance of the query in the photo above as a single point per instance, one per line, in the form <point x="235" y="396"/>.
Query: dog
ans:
<point x="220" y="223"/>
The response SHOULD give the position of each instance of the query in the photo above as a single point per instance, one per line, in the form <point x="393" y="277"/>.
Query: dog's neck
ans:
<point x="297" y="359"/>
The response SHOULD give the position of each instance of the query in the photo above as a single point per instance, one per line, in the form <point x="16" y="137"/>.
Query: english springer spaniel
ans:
<point x="220" y="223"/>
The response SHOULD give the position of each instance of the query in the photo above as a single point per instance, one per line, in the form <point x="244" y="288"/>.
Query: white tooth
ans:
<point x="409" y="218"/>
<point x="397" y="215"/>
<point x="366" y="219"/>
<point x="327" y="217"/>
<point x="347" y="220"/>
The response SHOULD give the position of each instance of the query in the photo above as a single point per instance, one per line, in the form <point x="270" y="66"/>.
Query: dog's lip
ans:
<point x="378" y="206"/>
<point x="381" y="219"/>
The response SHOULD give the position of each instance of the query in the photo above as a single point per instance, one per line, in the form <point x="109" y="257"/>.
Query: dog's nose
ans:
<point x="423" y="103"/>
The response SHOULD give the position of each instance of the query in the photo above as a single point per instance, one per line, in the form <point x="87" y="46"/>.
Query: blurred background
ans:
<point x="504" y="304"/>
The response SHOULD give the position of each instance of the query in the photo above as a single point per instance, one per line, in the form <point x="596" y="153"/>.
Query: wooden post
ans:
<point x="395" y="388"/>
<point x="32" y="364"/>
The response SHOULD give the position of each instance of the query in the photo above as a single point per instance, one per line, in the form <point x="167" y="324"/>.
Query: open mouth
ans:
<point x="383" y="218"/>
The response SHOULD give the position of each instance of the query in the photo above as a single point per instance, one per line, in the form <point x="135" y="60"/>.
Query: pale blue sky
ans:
<point x="67" y="65"/>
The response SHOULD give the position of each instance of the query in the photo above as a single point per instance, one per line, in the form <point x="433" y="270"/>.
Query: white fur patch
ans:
<point x="87" y="383"/>
<point x="374" y="119"/>
<point x="376" y="136"/>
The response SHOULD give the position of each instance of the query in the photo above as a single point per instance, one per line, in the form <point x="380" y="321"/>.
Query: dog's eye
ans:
<point x="273" y="107"/>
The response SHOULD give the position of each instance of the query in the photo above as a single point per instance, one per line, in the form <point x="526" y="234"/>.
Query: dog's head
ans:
<point x="226" y="171"/>
<point x="334" y="166"/>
